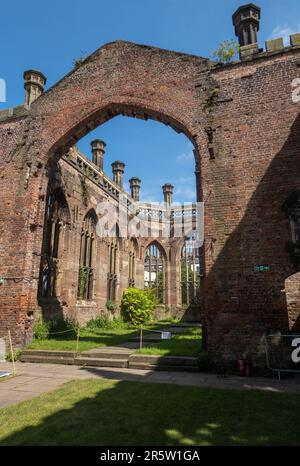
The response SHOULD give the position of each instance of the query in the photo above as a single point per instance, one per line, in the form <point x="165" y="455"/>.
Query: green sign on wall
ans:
<point x="261" y="268"/>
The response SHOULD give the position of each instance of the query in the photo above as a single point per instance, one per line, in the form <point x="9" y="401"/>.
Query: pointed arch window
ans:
<point x="86" y="266"/>
<point x="131" y="263"/>
<point x="56" y="214"/>
<point x="154" y="275"/>
<point x="189" y="273"/>
<point x="112" y="276"/>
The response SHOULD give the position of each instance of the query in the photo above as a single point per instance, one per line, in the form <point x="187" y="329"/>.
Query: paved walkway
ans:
<point x="34" y="379"/>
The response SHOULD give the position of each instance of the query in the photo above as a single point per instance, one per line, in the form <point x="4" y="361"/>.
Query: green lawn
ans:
<point x="94" y="412"/>
<point x="187" y="343"/>
<point x="90" y="339"/>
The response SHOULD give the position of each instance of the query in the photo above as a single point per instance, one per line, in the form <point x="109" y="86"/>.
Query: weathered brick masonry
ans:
<point x="246" y="131"/>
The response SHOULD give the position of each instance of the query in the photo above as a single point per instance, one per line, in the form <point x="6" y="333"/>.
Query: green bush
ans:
<point x="17" y="355"/>
<point x="68" y="326"/>
<point x="137" y="305"/>
<point x="44" y="329"/>
<point x="151" y="293"/>
<point x="205" y="361"/>
<point x="111" y="305"/>
<point x="102" y="322"/>
<point x="41" y="329"/>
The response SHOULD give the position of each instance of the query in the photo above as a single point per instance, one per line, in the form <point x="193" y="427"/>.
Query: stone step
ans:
<point x="106" y="354"/>
<point x="164" y="360"/>
<point x="78" y="361"/>
<point x="47" y="353"/>
<point x="47" y="359"/>
<point x="157" y="367"/>
<point x="101" y="362"/>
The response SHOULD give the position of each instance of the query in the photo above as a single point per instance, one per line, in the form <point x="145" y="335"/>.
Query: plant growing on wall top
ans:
<point x="78" y="61"/>
<point x="226" y="52"/>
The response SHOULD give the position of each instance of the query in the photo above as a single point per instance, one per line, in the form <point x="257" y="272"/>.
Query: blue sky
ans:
<point x="49" y="35"/>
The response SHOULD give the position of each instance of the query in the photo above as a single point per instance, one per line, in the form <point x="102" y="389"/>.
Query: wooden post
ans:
<point x="12" y="353"/>
<point x="77" y="341"/>
<point x="141" y="338"/>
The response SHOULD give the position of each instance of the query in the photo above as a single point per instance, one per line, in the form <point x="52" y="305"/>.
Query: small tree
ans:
<point x="226" y="52"/>
<point x="137" y="305"/>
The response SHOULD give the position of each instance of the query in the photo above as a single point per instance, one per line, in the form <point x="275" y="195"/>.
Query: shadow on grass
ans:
<point x="88" y="340"/>
<point x="186" y="343"/>
<point x="92" y="412"/>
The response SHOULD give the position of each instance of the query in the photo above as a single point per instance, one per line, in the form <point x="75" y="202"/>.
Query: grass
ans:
<point x="104" y="412"/>
<point x="187" y="343"/>
<point x="91" y="338"/>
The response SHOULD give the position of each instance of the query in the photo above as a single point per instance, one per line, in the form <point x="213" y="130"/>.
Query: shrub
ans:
<point x="111" y="305"/>
<point x="41" y="329"/>
<point x="63" y="325"/>
<point x="137" y="305"/>
<point x="58" y="328"/>
<point x="17" y="356"/>
<point x="151" y="293"/>
<point x="205" y="361"/>
<point x="102" y="322"/>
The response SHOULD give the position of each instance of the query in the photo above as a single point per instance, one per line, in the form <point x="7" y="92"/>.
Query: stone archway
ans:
<point x="118" y="79"/>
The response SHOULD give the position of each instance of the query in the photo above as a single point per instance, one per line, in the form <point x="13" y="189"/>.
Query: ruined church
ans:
<point x="243" y="119"/>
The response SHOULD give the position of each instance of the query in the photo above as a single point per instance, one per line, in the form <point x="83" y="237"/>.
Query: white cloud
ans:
<point x="186" y="157"/>
<point x="185" y="194"/>
<point x="284" y="31"/>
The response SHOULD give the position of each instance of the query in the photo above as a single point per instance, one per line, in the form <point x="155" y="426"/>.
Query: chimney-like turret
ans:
<point x="34" y="82"/>
<point x="118" y="172"/>
<point x="246" y="23"/>
<point x="168" y="193"/>
<point x="98" y="151"/>
<point x="135" y="186"/>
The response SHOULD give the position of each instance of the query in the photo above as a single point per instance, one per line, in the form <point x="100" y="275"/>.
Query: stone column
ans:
<point x="135" y="186"/>
<point x="98" y="151"/>
<point x="34" y="82"/>
<point x="118" y="172"/>
<point x="168" y="193"/>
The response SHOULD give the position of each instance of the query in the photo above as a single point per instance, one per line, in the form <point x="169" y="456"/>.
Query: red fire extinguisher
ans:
<point x="244" y="368"/>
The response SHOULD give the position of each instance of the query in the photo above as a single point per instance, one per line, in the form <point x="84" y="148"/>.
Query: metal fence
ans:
<point x="283" y="353"/>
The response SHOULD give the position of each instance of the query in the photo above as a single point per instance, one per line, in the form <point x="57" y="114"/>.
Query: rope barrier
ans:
<point x="59" y="333"/>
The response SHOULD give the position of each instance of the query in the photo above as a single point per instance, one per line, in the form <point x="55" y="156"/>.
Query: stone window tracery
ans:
<point x="154" y="274"/>
<point x="189" y="273"/>
<point x="86" y="267"/>
<point x="52" y="247"/>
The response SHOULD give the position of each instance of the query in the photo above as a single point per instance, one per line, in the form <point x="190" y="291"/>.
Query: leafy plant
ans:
<point x="83" y="277"/>
<point x="111" y="305"/>
<point x="41" y="329"/>
<point x="78" y="61"/>
<point x="205" y="361"/>
<point x="84" y="189"/>
<point x="137" y="305"/>
<point x="44" y="329"/>
<point x="63" y="325"/>
<point x="17" y="355"/>
<point x="226" y="52"/>
<point x="102" y="322"/>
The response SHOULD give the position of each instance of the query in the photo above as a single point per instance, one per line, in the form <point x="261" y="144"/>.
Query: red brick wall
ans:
<point x="246" y="136"/>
